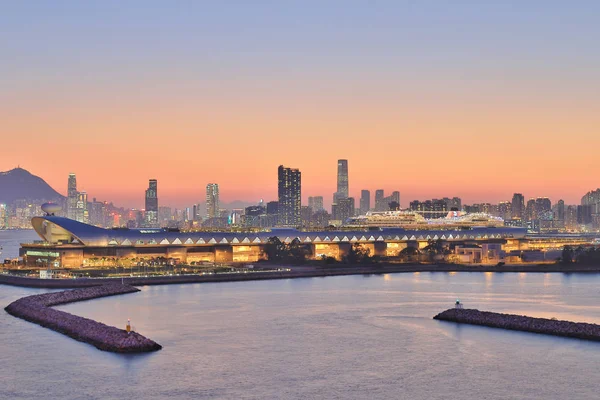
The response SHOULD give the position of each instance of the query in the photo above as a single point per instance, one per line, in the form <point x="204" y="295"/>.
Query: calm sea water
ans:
<point x="10" y="241"/>
<point x="353" y="337"/>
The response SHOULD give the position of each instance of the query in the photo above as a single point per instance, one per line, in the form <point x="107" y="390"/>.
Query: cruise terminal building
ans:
<point x="67" y="243"/>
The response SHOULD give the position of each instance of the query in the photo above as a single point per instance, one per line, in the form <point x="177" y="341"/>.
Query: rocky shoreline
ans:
<point x="513" y="322"/>
<point x="38" y="309"/>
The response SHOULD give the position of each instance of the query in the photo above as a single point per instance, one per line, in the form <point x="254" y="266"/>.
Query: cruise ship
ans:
<point x="414" y="220"/>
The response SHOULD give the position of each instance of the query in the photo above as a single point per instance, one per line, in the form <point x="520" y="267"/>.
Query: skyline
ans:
<point x="431" y="99"/>
<point x="404" y="201"/>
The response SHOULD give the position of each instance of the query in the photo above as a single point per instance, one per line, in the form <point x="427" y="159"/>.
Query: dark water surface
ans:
<point x="352" y="337"/>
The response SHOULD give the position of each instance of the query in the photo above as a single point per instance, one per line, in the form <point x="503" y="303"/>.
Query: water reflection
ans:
<point x="337" y="337"/>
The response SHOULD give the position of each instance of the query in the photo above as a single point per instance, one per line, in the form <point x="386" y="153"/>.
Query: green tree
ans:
<point x="275" y="249"/>
<point x="409" y="254"/>
<point x="297" y="252"/>
<point x="568" y="255"/>
<point x="435" y="248"/>
<point x="358" y="254"/>
<point x="294" y="252"/>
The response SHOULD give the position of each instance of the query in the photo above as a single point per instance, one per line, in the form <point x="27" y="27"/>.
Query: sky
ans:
<point x="477" y="99"/>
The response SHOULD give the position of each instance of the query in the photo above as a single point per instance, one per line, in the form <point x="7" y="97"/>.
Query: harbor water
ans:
<point x="348" y="337"/>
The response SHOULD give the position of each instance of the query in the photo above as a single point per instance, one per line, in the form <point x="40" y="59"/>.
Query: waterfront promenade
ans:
<point x="290" y="272"/>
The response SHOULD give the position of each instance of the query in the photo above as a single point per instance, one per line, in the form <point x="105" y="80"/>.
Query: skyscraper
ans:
<point x="518" y="206"/>
<point x="3" y="216"/>
<point x="81" y="211"/>
<point x="98" y="213"/>
<point x="344" y="209"/>
<point x="383" y="203"/>
<point x="543" y="205"/>
<point x="342" y="181"/>
<point x="560" y="210"/>
<point x="379" y="203"/>
<point x="289" y="191"/>
<point x="531" y="210"/>
<point x="365" y="201"/>
<point x="505" y="210"/>
<point x="152" y="204"/>
<point x="315" y="203"/>
<point x="212" y="200"/>
<point x="72" y="197"/>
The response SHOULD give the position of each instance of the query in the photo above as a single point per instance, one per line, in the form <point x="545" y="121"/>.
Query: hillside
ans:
<point x="21" y="184"/>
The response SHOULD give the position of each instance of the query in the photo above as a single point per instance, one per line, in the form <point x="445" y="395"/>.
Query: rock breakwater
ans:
<point x="38" y="309"/>
<point x="513" y="322"/>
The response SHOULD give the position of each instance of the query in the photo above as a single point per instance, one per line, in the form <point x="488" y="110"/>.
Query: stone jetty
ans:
<point x="38" y="309"/>
<point x="513" y="322"/>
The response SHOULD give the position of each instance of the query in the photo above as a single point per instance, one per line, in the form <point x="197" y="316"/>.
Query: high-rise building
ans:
<point x="342" y="181"/>
<point x="518" y="206"/>
<point x="344" y="209"/>
<point x="306" y="215"/>
<point x="453" y="204"/>
<point x="273" y="208"/>
<point x="82" y="214"/>
<point x="98" y="214"/>
<point x="592" y="199"/>
<point x="379" y="203"/>
<point x="289" y="191"/>
<point x="152" y="204"/>
<point x="315" y="203"/>
<point x="212" y="200"/>
<point x="530" y="210"/>
<point x="72" y="197"/>
<point x="3" y="216"/>
<point x="584" y="214"/>
<point x="430" y="208"/>
<point x="560" y="210"/>
<point x="164" y="215"/>
<point x="505" y="210"/>
<point x="543" y="205"/>
<point x="365" y="201"/>
<point x="571" y="217"/>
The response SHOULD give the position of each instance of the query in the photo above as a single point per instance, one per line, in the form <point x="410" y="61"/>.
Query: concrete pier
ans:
<point x="513" y="322"/>
<point x="37" y="309"/>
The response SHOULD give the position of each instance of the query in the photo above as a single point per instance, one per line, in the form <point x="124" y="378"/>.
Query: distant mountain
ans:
<point x="21" y="184"/>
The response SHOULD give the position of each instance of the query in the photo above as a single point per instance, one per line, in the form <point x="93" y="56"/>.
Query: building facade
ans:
<point x="71" y="244"/>
<point x="518" y="206"/>
<point x="212" y="200"/>
<point x="72" y="197"/>
<point x="151" y="204"/>
<point x="289" y="190"/>
<point x="365" y="201"/>
<point x="342" y="181"/>
<point x="315" y="203"/>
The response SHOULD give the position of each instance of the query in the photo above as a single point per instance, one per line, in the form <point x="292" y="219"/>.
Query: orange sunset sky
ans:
<point x="475" y="101"/>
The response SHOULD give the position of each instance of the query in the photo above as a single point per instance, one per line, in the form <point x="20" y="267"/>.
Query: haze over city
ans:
<point x="432" y="99"/>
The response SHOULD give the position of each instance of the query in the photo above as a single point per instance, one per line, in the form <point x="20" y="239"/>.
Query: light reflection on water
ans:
<point x="340" y="337"/>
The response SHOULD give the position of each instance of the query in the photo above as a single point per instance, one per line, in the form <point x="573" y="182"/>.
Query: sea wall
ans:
<point x="546" y="326"/>
<point x="301" y="272"/>
<point x="37" y="309"/>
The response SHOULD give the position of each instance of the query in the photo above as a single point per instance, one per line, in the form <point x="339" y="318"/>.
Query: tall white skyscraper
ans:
<point x="212" y="200"/>
<point x="72" y="197"/>
<point x="342" y="181"/>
